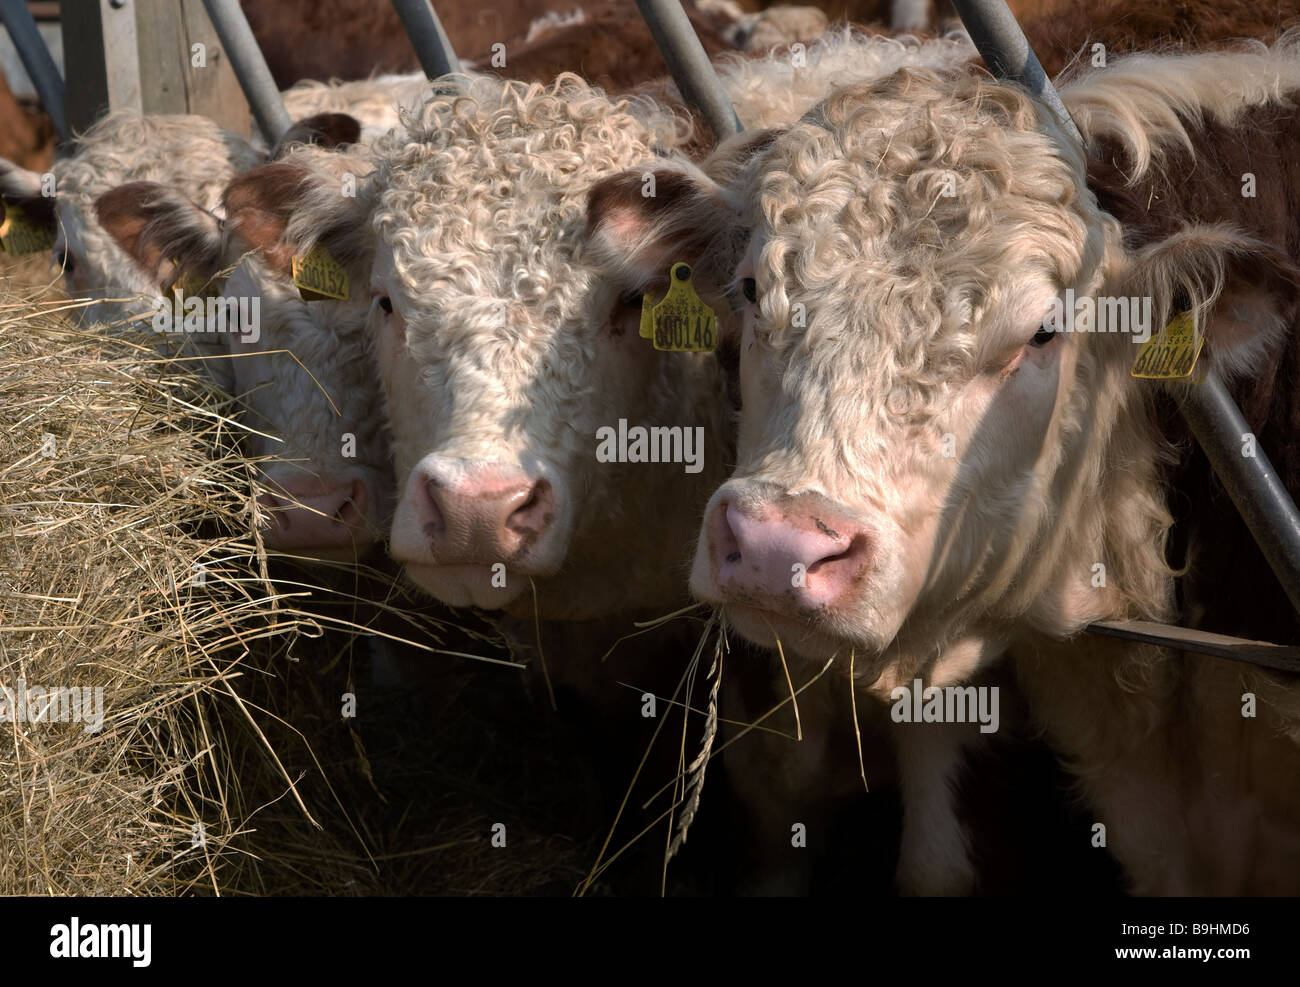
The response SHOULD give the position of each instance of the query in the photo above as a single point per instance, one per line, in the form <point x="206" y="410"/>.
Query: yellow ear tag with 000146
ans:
<point x="1172" y="353"/>
<point x="19" y="235"/>
<point x="681" y="322"/>
<point x="318" y="276"/>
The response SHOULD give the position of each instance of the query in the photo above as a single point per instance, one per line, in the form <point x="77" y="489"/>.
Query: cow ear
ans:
<point x="641" y="222"/>
<point x="166" y="234"/>
<point x="259" y="204"/>
<point x="1245" y="292"/>
<point x="327" y="130"/>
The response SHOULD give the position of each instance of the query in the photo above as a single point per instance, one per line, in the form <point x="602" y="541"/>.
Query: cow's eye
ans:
<point x="1044" y="336"/>
<point x="386" y="304"/>
<point x="750" y="287"/>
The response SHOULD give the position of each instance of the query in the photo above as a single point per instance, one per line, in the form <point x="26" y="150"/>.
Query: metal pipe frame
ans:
<point x="1006" y="52"/>
<point x="250" y="67"/>
<point x="1252" y="483"/>
<point x="689" y="65"/>
<point x="37" y="60"/>
<point x="1209" y="409"/>
<point x="432" y="47"/>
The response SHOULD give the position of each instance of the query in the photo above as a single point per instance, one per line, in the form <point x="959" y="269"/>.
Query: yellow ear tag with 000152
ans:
<point x="318" y="276"/>
<point x="19" y="235"/>
<point x="1172" y="353"/>
<point x="681" y="322"/>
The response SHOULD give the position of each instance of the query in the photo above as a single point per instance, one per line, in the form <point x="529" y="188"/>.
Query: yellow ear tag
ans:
<point x="318" y="276"/>
<point x="1172" y="353"/>
<point x="681" y="322"/>
<point x="192" y="284"/>
<point x="19" y="235"/>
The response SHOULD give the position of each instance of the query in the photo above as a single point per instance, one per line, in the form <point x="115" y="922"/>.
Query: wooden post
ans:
<point x="140" y="55"/>
<point x="167" y="33"/>
<point x="99" y="58"/>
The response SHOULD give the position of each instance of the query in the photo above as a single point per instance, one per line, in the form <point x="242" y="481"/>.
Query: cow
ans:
<point x="607" y="43"/>
<point x="491" y="180"/>
<point x="26" y="136"/>
<point x="375" y="103"/>
<point x="1077" y="37"/>
<point x="353" y="39"/>
<point x="189" y="155"/>
<point x="308" y="379"/>
<point x="311" y="411"/>
<point x="504" y="359"/>
<point x="935" y="471"/>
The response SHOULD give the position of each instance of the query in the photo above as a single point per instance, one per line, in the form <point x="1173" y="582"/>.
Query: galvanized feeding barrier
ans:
<point x="1213" y="416"/>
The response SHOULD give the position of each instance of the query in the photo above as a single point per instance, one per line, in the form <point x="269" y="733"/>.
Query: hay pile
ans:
<point x="129" y="562"/>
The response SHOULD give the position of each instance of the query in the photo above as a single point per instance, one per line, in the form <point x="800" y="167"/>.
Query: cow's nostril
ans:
<point x="857" y="547"/>
<point x="352" y="511"/>
<point x="431" y="516"/>
<point x="722" y="537"/>
<point x="534" y="514"/>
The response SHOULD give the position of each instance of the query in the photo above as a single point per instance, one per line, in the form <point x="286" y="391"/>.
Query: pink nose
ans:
<point x="308" y="514"/>
<point x="792" y="561"/>
<point x="487" y="517"/>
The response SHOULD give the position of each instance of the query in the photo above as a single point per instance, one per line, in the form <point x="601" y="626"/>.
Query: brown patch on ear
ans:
<point x="651" y="231"/>
<point x="327" y="130"/>
<point x="258" y="205"/>
<point x="161" y="230"/>
<point x="619" y="199"/>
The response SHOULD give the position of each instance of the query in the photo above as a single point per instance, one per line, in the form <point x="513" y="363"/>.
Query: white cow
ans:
<point x="950" y="464"/>
<point x="508" y="348"/>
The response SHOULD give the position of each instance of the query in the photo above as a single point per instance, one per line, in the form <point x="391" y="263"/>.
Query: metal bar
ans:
<point x="1277" y="656"/>
<point x="1252" y="483"/>
<point x="1006" y="52"/>
<point x="429" y="40"/>
<point x="37" y="60"/>
<point x="250" y="67"/>
<point x="689" y="65"/>
<point x="1213" y="416"/>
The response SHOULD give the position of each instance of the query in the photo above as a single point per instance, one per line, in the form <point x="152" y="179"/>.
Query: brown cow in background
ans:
<point x="26" y="133"/>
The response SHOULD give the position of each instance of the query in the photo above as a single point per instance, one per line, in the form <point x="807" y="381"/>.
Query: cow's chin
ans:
<point x="467" y="585"/>
<point x="803" y="637"/>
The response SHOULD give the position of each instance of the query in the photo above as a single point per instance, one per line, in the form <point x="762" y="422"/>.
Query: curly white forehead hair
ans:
<point x="189" y="153"/>
<point x="891" y="201"/>
<point x="484" y="191"/>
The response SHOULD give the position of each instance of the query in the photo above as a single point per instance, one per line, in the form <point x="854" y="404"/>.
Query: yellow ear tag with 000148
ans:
<point x="1172" y="353"/>
<point x="318" y="276"/>
<point x="19" y="235"/>
<point x="681" y="322"/>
